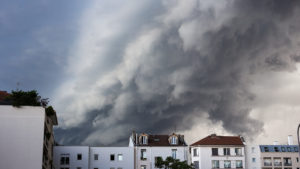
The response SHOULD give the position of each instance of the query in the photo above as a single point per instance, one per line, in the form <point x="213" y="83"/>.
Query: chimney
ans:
<point x="275" y="143"/>
<point x="290" y="140"/>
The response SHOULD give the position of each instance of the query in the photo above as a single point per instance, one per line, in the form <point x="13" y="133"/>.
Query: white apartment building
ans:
<point x="84" y="157"/>
<point x="218" y="152"/>
<point x="147" y="148"/>
<point x="26" y="137"/>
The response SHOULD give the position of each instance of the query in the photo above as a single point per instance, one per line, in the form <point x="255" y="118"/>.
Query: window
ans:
<point x="173" y="140"/>
<point x="143" y="154"/>
<point x="253" y="160"/>
<point x="226" y="151"/>
<point x="238" y="151"/>
<point x="266" y="149"/>
<point x="78" y="167"/>
<point x="214" y="151"/>
<point x="79" y="157"/>
<point x="283" y="149"/>
<point x="277" y="161"/>
<point x="119" y="167"/>
<point x="174" y="153"/>
<point x="238" y="164"/>
<point x="296" y="149"/>
<point x="157" y="158"/>
<point x="120" y="157"/>
<point x="297" y="159"/>
<point x="289" y="149"/>
<point x="112" y="167"/>
<point x="215" y="164"/>
<point x="112" y="157"/>
<point x="196" y="164"/>
<point x="143" y="167"/>
<point x="227" y="164"/>
<point x="276" y="149"/>
<point x="267" y="161"/>
<point x="95" y="168"/>
<point x="96" y="156"/>
<point x="195" y="152"/>
<point x="253" y="149"/>
<point x="144" y="139"/>
<point x="65" y="159"/>
<point x="287" y="161"/>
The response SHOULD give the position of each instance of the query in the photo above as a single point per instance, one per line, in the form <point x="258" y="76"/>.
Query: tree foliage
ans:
<point x="171" y="163"/>
<point x="27" y="98"/>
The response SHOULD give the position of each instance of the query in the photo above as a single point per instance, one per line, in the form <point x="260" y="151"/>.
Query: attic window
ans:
<point x="144" y="139"/>
<point x="174" y="140"/>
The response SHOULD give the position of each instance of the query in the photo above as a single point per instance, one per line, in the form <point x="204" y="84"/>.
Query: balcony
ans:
<point x="267" y="163"/>
<point x="287" y="164"/>
<point x="277" y="163"/>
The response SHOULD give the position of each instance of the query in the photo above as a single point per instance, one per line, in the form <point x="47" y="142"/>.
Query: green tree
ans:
<point x="27" y="98"/>
<point x="171" y="163"/>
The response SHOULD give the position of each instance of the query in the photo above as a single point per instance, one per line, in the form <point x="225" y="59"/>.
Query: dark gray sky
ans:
<point x="110" y="67"/>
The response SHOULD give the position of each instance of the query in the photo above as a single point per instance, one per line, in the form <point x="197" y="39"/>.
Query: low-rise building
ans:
<point x="111" y="158"/>
<point x="148" y="147"/>
<point x="218" y="152"/>
<point x="84" y="157"/>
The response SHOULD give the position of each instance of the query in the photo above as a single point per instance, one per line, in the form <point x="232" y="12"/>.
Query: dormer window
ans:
<point x="144" y="139"/>
<point x="173" y="140"/>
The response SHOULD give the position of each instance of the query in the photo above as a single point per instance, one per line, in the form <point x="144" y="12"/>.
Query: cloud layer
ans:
<point x="165" y="65"/>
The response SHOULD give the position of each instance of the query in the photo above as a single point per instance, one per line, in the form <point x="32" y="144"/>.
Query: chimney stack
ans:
<point x="290" y="140"/>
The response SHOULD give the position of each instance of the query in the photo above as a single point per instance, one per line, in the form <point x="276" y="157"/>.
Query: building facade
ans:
<point x="84" y="157"/>
<point x="218" y="152"/>
<point x="279" y="156"/>
<point x="253" y="159"/>
<point x="147" y="148"/>
<point x="26" y="137"/>
<point x="111" y="158"/>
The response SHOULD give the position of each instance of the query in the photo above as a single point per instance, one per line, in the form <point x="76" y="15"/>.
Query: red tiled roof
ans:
<point x="219" y="140"/>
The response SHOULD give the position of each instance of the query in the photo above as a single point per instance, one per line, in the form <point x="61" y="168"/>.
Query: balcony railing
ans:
<point x="287" y="164"/>
<point x="277" y="163"/>
<point x="267" y="164"/>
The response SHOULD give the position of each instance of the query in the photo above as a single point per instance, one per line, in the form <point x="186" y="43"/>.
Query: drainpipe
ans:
<point x="298" y="139"/>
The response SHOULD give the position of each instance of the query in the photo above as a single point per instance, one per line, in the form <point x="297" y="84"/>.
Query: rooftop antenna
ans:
<point x="18" y="85"/>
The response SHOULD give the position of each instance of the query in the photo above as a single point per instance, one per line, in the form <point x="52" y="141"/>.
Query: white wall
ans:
<point x="21" y="142"/>
<point x="164" y="152"/>
<point x="253" y="151"/>
<point x="104" y="161"/>
<point x="60" y="151"/>
<point x="205" y="156"/>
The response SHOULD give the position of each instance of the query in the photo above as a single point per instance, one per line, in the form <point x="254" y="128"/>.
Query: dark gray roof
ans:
<point x="279" y="148"/>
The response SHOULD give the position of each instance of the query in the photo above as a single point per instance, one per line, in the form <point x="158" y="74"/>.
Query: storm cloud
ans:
<point x="157" y="66"/>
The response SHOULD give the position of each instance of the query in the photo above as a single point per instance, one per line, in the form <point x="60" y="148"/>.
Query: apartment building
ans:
<point x="218" y="152"/>
<point x="148" y="147"/>
<point x="279" y="156"/>
<point x="84" y="157"/>
<point x="26" y="137"/>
